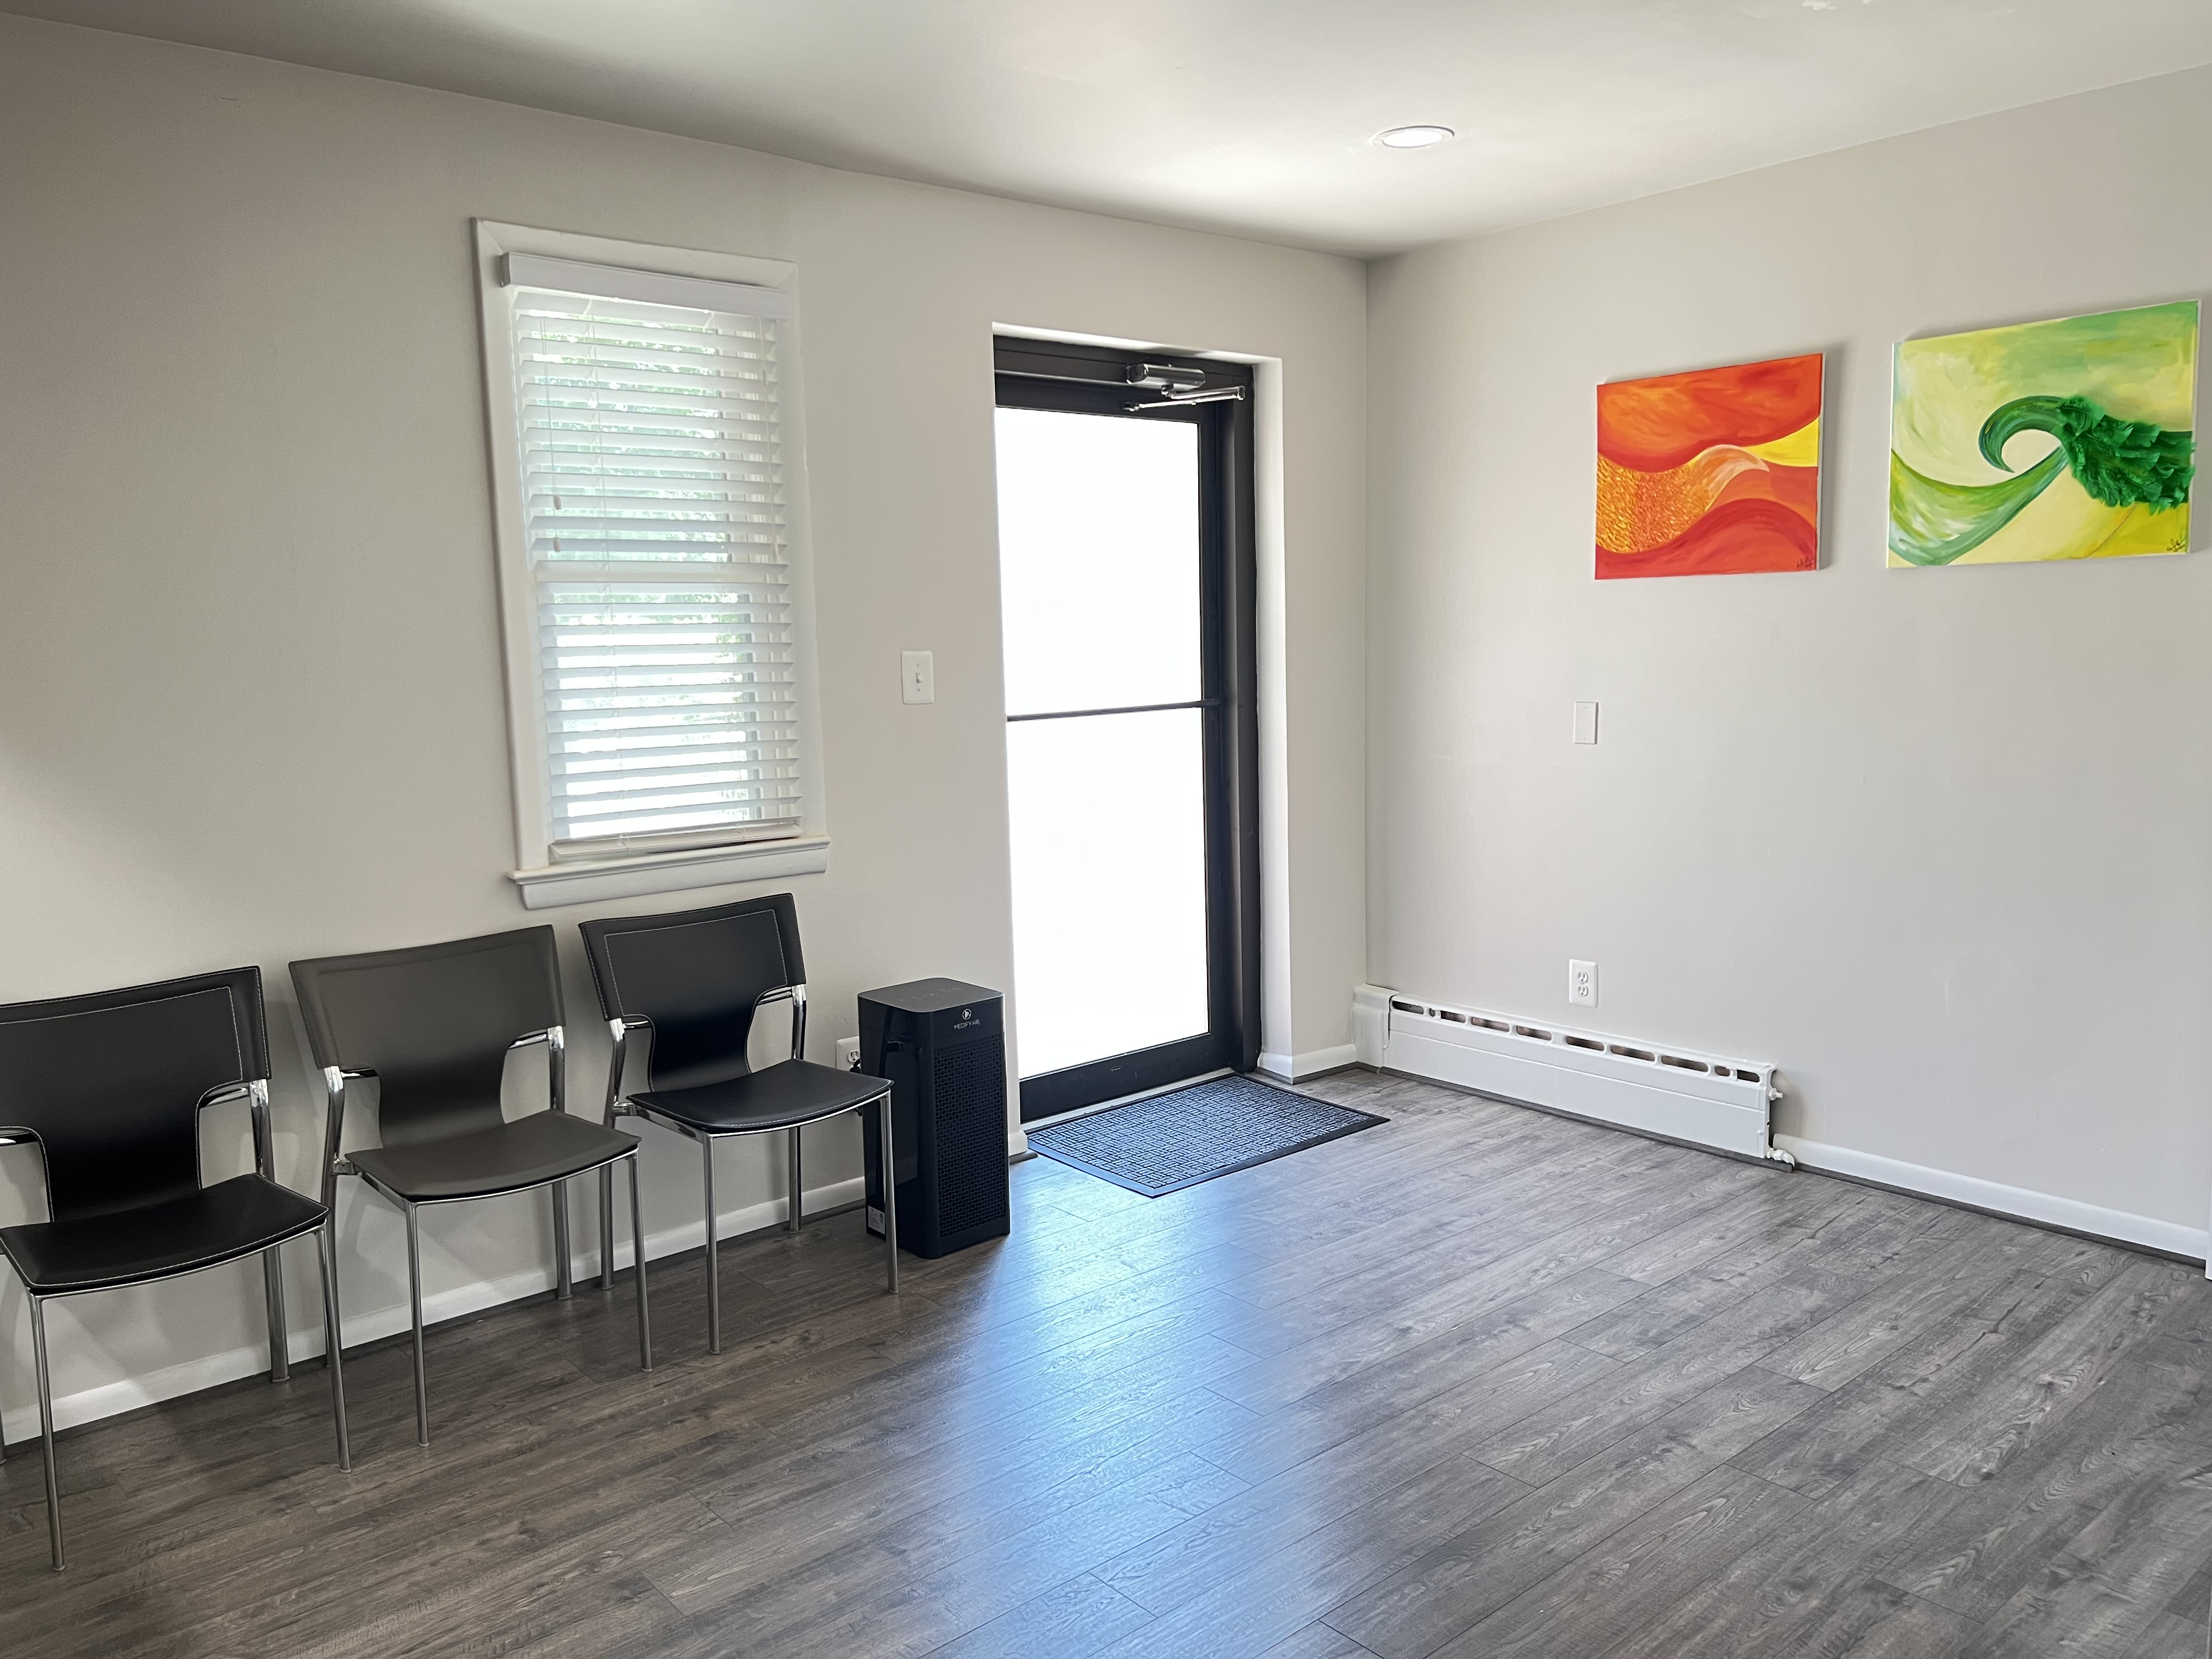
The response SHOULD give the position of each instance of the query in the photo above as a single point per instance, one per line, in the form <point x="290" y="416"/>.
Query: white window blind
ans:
<point x="653" y="475"/>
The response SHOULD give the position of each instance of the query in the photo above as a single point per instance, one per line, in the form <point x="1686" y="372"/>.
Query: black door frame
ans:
<point x="1091" y="379"/>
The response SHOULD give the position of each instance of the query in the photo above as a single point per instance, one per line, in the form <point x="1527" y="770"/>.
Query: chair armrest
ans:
<point x="796" y="994"/>
<point x="335" y="1079"/>
<point x="618" y="1030"/>
<point x="555" y="1038"/>
<point x="255" y="1091"/>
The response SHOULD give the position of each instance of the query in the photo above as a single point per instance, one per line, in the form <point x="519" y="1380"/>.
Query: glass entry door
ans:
<point x="1115" y="541"/>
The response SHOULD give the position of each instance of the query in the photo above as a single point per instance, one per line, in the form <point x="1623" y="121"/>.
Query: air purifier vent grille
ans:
<point x="971" y="1097"/>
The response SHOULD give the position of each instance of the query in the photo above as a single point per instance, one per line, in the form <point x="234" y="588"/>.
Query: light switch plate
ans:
<point x="918" y="676"/>
<point x="1585" y="722"/>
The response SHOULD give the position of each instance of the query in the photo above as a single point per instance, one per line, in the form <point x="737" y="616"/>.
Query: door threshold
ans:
<point x="1127" y="1100"/>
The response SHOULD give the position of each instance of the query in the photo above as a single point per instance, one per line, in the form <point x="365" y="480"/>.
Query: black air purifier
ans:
<point x="943" y="1045"/>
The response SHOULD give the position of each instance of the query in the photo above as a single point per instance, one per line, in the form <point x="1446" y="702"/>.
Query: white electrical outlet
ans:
<point x="848" y="1053"/>
<point x="1581" y="983"/>
<point x="918" y="676"/>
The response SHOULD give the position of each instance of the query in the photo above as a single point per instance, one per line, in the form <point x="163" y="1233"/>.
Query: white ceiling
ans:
<point x="1248" y="116"/>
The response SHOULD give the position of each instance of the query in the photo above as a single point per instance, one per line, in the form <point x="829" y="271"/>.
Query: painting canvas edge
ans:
<point x="1978" y="514"/>
<point x="1764" y="532"/>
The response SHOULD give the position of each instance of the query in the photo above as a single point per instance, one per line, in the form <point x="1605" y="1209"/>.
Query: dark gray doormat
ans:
<point x="1176" y="1140"/>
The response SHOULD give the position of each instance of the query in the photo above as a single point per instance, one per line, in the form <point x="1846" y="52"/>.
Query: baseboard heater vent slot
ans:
<point x="1705" y="1099"/>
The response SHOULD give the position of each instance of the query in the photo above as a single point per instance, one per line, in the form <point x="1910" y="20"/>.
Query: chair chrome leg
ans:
<point x="415" y="1299"/>
<point x="798" y="1190"/>
<point x="637" y="1235"/>
<point x="890" y="1194"/>
<point x="713" y="1253"/>
<point x="564" y="1284"/>
<point x="280" y="1337"/>
<point x="607" y="1228"/>
<point x="333" y="1335"/>
<point x="47" y="1428"/>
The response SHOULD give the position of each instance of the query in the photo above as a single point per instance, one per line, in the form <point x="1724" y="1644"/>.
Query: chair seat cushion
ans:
<point x="526" y="1152"/>
<point x="217" y="1223"/>
<point x="775" y="1097"/>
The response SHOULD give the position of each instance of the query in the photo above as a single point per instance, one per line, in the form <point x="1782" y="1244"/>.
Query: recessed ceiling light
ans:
<point x="1413" y="137"/>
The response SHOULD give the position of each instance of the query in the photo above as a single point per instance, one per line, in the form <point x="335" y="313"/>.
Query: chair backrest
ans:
<point x="697" y="975"/>
<point x="112" y="1084"/>
<point x="434" y="1022"/>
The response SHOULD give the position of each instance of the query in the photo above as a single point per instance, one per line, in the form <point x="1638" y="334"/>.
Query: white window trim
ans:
<point x="540" y="882"/>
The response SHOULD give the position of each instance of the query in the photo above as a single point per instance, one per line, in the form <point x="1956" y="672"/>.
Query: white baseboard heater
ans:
<point x="1680" y="1094"/>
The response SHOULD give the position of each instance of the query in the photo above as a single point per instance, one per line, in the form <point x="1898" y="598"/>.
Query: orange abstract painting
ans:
<point x="1710" y="472"/>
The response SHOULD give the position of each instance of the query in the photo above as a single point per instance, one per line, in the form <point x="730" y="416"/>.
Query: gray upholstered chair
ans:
<point x="110" y="1086"/>
<point x="434" y="1024"/>
<point x="694" y="979"/>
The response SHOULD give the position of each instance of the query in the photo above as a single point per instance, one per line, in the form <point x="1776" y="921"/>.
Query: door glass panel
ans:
<point x="1098" y="560"/>
<point x="1108" y="822"/>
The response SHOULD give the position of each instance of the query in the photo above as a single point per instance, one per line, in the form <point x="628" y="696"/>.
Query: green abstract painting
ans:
<point x="2066" y="440"/>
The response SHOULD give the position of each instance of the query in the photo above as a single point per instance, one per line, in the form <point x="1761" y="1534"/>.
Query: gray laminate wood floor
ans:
<point x="1480" y="1382"/>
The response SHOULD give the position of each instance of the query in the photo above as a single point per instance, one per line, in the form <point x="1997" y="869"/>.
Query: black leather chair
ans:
<point x="434" y="1024"/>
<point x="111" y="1086"/>
<point x="694" y="980"/>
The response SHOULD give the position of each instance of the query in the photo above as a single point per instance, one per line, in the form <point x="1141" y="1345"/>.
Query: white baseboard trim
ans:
<point x="1291" y="1068"/>
<point x="2170" y="1238"/>
<point x="370" y="1325"/>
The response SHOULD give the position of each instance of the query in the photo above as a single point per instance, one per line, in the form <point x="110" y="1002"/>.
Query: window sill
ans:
<point x="670" y="873"/>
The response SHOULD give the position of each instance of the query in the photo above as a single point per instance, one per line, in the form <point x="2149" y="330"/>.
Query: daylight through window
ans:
<point x="654" y="492"/>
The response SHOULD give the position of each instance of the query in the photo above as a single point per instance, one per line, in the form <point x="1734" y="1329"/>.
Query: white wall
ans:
<point x="251" y="702"/>
<point x="1934" y="842"/>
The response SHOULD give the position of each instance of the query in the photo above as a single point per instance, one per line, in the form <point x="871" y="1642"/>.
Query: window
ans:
<point x="653" y="503"/>
<point x="653" y="627"/>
